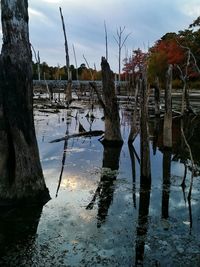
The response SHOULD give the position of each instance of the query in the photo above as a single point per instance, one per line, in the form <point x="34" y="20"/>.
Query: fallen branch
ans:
<point x="84" y="134"/>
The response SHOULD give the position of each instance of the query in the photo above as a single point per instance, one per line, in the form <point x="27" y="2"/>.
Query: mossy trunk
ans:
<point x="21" y="177"/>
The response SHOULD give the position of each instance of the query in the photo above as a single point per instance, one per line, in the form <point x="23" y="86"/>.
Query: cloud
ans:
<point x="148" y="21"/>
<point x="38" y="16"/>
<point x="191" y="10"/>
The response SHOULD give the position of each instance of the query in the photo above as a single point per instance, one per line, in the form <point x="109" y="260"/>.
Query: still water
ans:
<point x="101" y="214"/>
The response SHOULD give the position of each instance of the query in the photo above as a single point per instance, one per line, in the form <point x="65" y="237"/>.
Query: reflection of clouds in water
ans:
<point x="70" y="183"/>
<point x="51" y="158"/>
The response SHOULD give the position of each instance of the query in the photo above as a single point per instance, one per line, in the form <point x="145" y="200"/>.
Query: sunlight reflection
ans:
<point x="70" y="183"/>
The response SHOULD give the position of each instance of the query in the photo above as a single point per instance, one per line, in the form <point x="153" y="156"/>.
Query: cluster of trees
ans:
<point x="60" y="73"/>
<point x="180" y="49"/>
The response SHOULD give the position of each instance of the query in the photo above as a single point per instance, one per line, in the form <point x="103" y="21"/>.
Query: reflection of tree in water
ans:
<point x="166" y="183"/>
<point x="144" y="201"/>
<point x="18" y="227"/>
<point x="68" y="123"/>
<point x="106" y="188"/>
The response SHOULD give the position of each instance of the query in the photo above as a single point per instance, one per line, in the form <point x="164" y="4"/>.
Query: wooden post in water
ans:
<point x="21" y="177"/>
<point x="167" y="128"/>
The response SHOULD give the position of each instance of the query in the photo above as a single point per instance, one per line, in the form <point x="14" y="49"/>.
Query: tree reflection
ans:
<point x="144" y="201"/>
<point x="106" y="187"/>
<point x="132" y="156"/>
<point x="18" y="229"/>
<point x="166" y="183"/>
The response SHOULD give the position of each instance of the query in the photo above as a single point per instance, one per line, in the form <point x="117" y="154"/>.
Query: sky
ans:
<point x="145" y="20"/>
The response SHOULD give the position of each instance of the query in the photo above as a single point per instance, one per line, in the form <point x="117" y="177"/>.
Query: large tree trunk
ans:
<point x="111" y="110"/>
<point x="21" y="177"/>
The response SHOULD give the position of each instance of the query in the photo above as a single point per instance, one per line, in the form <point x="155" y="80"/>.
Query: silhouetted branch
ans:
<point x="85" y="134"/>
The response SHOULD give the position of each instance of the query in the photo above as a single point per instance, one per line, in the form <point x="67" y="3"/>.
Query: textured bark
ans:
<point x="21" y="177"/>
<point x="167" y="130"/>
<point x="111" y="109"/>
<point x="145" y="167"/>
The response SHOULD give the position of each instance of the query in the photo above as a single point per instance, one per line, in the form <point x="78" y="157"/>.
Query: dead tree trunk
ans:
<point x="21" y="177"/>
<point x="145" y="167"/>
<point x="157" y="98"/>
<point x="68" y="88"/>
<point x="167" y="128"/>
<point x="109" y="103"/>
<point x="134" y="128"/>
<point x="111" y="110"/>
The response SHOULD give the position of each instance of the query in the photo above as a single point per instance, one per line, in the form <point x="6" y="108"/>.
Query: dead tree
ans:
<point x="145" y="167"/>
<point x="134" y="129"/>
<point x="106" y="40"/>
<point x="167" y="128"/>
<point x="109" y="104"/>
<point x="157" y="97"/>
<point x="68" y="89"/>
<point x="37" y="59"/>
<point x="21" y="177"/>
<point x="120" y="42"/>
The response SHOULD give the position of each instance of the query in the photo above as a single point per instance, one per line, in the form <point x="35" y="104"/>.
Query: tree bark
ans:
<point x="111" y="109"/>
<point x="167" y="130"/>
<point x="145" y="167"/>
<point x="21" y="177"/>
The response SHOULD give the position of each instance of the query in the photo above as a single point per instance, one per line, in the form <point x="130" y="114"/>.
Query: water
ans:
<point x="102" y="216"/>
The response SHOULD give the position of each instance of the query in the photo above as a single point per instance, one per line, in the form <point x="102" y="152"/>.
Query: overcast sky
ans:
<point x="146" y="20"/>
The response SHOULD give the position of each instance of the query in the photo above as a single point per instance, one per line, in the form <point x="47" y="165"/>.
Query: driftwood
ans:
<point x="83" y="134"/>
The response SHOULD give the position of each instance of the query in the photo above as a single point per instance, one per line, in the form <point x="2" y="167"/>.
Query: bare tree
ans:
<point x="21" y="177"/>
<point x="106" y="39"/>
<point x="68" y="89"/>
<point x="120" y="42"/>
<point x="37" y="59"/>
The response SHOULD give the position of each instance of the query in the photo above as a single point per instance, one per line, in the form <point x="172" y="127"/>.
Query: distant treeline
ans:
<point x="181" y="49"/>
<point x="60" y="73"/>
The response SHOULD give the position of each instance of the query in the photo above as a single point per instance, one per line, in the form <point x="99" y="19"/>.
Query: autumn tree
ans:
<point x="165" y="51"/>
<point x="21" y="177"/>
<point x="134" y="65"/>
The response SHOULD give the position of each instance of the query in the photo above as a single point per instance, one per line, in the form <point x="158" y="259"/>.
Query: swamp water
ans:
<point x="102" y="216"/>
